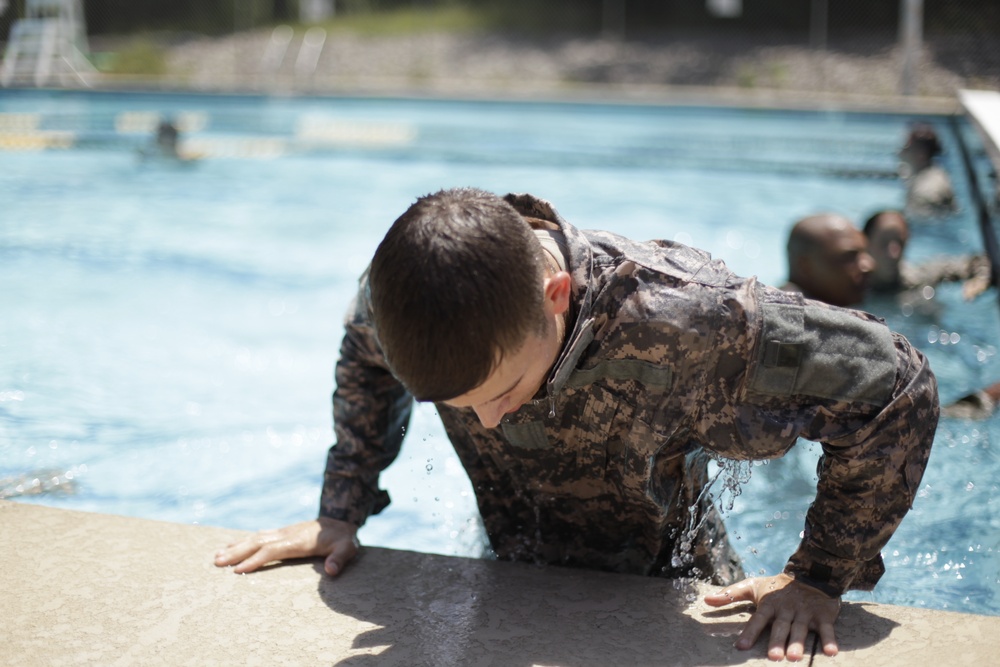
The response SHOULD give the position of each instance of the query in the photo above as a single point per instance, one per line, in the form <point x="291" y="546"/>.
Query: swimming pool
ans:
<point x="169" y="330"/>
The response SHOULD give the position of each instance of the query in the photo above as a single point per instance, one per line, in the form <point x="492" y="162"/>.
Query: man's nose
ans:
<point x="489" y="416"/>
<point x="866" y="263"/>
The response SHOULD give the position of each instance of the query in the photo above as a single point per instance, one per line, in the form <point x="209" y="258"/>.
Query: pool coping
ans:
<point x="88" y="588"/>
<point x="983" y="108"/>
<point x="609" y="93"/>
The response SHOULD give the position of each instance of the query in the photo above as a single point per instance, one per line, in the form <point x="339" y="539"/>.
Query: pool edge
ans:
<point x="983" y="109"/>
<point x="611" y="94"/>
<point x="88" y="588"/>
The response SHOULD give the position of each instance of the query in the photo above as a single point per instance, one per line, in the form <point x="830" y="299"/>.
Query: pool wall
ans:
<point x="87" y="588"/>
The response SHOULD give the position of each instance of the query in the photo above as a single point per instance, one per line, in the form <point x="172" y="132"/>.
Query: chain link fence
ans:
<point x="924" y="48"/>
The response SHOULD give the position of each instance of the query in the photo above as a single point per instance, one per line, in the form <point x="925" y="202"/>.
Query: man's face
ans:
<point x="886" y="245"/>
<point x="838" y="271"/>
<point x="514" y="381"/>
<point x="520" y="373"/>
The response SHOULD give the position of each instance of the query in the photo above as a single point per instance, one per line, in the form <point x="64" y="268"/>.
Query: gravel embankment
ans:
<point x="474" y="64"/>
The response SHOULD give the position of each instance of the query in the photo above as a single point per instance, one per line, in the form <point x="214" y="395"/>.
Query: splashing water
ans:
<point x="733" y="474"/>
<point x="38" y="482"/>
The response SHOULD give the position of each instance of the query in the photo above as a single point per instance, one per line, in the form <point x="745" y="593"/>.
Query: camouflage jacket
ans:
<point x="929" y="193"/>
<point x="670" y="358"/>
<point x="937" y="270"/>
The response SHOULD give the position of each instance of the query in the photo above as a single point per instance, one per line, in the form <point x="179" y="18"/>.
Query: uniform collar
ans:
<point x="580" y="260"/>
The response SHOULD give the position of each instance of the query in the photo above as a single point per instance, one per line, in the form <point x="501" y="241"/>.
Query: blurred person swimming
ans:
<point x="888" y="233"/>
<point x="929" y="191"/>
<point x="166" y="144"/>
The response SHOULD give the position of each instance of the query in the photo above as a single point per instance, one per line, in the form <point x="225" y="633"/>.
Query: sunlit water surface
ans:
<point x="168" y="331"/>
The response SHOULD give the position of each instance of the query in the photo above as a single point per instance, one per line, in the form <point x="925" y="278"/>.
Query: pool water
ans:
<point x="169" y="330"/>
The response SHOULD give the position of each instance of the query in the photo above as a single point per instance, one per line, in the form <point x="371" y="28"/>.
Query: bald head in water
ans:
<point x="828" y="260"/>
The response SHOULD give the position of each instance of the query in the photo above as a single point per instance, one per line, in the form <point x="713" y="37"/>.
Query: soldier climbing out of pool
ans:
<point x="586" y="380"/>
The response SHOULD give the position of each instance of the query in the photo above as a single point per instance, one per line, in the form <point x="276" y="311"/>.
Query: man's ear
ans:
<point x="557" y="292"/>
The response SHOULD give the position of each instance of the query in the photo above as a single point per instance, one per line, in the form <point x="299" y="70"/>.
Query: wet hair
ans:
<point x="455" y="284"/>
<point x="872" y="221"/>
<point x="167" y="131"/>
<point x="924" y="136"/>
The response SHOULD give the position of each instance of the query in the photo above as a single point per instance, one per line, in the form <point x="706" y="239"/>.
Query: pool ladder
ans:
<point x="47" y="42"/>
<point x="307" y="59"/>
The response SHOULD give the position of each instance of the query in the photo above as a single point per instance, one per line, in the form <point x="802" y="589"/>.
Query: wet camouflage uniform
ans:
<point x="929" y="192"/>
<point x="670" y="358"/>
<point x="941" y="270"/>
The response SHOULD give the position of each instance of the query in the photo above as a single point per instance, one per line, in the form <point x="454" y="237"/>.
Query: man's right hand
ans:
<point x="336" y="540"/>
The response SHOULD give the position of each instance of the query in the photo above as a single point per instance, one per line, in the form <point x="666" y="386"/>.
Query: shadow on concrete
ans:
<point x="436" y="610"/>
<point x="860" y="627"/>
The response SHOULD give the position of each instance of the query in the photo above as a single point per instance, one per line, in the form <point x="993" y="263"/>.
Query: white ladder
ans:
<point x="49" y="41"/>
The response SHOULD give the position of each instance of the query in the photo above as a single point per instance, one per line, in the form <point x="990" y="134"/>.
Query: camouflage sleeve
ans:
<point x="868" y="480"/>
<point x="839" y="377"/>
<point x="948" y="269"/>
<point x="371" y="410"/>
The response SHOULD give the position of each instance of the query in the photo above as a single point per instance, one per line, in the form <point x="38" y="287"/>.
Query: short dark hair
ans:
<point x="924" y="136"/>
<point x="871" y="222"/>
<point x="455" y="284"/>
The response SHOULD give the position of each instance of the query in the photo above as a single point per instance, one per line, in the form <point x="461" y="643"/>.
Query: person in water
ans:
<point x="929" y="191"/>
<point x="828" y="260"/>
<point x="167" y="137"/>
<point x="888" y="233"/>
<point x="166" y="145"/>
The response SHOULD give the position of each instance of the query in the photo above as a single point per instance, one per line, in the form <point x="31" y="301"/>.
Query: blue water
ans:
<point x="168" y="332"/>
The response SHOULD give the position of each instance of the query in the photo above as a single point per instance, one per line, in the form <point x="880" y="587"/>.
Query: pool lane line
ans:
<point x="36" y="140"/>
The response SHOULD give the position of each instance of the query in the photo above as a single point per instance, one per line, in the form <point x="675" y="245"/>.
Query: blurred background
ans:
<point x="927" y="48"/>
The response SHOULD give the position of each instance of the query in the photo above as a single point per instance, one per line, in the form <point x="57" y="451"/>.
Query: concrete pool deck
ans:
<point x="82" y="588"/>
<point x="983" y="108"/>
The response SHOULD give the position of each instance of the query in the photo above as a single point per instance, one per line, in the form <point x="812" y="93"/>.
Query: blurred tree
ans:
<point x="640" y="16"/>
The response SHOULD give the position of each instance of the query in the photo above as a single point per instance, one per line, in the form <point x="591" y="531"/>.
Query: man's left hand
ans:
<point x="791" y="608"/>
